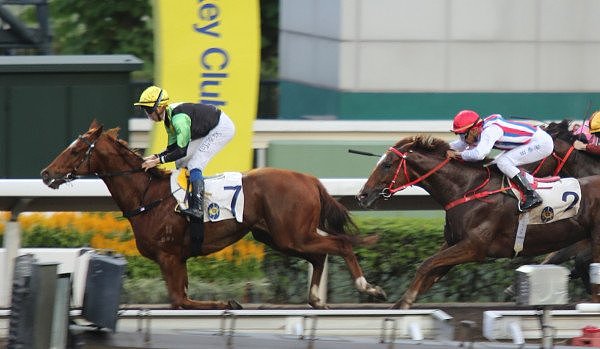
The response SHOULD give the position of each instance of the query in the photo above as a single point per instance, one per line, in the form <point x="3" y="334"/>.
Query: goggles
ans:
<point x="150" y="110"/>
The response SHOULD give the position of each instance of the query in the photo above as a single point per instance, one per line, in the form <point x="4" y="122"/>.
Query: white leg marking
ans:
<point x="314" y="292"/>
<point x="322" y="233"/>
<point x="361" y="283"/>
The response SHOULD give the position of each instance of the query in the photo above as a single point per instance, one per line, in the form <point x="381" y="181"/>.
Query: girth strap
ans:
<point x="142" y="209"/>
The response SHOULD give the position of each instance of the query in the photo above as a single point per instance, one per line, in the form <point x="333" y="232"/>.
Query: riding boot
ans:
<point x="195" y="200"/>
<point x="532" y="198"/>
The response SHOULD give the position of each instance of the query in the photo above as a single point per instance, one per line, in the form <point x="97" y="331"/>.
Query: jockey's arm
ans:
<point x="592" y="149"/>
<point x="178" y="149"/>
<point x="458" y="145"/>
<point x="489" y="136"/>
<point x="172" y="153"/>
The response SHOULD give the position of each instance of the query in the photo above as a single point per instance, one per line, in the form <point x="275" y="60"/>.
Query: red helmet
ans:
<point x="464" y="120"/>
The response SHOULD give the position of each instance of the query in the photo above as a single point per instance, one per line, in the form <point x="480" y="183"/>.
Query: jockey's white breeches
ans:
<point x="201" y="150"/>
<point x="540" y="146"/>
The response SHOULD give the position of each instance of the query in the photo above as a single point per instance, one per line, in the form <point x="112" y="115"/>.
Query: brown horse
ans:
<point x="283" y="209"/>
<point x="568" y="162"/>
<point x="485" y="227"/>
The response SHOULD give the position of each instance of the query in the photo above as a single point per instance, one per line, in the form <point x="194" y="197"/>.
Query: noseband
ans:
<point x="88" y="155"/>
<point x="390" y="190"/>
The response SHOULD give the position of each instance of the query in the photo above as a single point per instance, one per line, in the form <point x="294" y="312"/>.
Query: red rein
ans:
<point x="390" y="190"/>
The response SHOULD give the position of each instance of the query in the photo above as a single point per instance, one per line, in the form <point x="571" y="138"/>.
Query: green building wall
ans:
<point x="302" y="101"/>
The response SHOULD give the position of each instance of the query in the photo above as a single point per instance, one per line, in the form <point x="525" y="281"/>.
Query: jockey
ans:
<point x="591" y="147"/>
<point x="196" y="132"/>
<point x="523" y="144"/>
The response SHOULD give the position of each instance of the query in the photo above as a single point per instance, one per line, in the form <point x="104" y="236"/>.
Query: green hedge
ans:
<point x="391" y="263"/>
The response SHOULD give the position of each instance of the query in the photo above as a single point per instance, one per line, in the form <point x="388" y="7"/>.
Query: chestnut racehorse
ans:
<point x="475" y="229"/>
<point x="283" y="209"/>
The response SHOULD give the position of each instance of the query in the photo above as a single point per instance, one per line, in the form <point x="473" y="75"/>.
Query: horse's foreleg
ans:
<point x="433" y="268"/>
<point x="174" y="272"/>
<point x="436" y="274"/>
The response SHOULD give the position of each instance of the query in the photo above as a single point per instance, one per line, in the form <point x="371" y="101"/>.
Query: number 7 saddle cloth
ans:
<point x="223" y="195"/>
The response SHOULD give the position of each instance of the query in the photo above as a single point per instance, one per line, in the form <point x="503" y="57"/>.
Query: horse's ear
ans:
<point x="95" y="125"/>
<point x="113" y="132"/>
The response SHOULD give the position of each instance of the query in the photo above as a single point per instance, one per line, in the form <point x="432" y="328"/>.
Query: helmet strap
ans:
<point x="158" y="99"/>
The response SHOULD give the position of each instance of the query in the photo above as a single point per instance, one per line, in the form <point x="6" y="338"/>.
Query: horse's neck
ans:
<point x="129" y="190"/>
<point x="580" y="164"/>
<point x="456" y="179"/>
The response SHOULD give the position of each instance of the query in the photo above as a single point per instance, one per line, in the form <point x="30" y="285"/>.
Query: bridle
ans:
<point x="71" y="176"/>
<point x="390" y="190"/>
<point x="474" y="193"/>
<point x="87" y="157"/>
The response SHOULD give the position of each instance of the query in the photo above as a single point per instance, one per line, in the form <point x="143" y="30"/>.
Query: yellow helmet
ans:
<point x="595" y="122"/>
<point x="153" y="96"/>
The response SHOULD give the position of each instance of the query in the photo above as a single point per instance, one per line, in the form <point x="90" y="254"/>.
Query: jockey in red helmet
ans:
<point x="522" y="142"/>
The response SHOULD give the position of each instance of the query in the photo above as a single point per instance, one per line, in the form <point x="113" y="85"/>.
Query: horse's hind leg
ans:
<point x="341" y="246"/>
<point x="318" y="263"/>
<point x="174" y="272"/>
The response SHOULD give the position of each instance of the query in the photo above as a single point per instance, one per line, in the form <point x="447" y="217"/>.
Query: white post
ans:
<point x="12" y="242"/>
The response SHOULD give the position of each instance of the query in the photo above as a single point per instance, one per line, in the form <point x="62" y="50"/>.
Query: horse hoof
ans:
<point x="319" y="306"/>
<point x="509" y="291"/>
<point x="380" y="293"/>
<point x="234" y="305"/>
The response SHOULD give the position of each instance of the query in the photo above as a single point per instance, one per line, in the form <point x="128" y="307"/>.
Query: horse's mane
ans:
<point x="425" y="142"/>
<point x="438" y="147"/>
<point x="562" y="130"/>
<point x="113" y="134"/>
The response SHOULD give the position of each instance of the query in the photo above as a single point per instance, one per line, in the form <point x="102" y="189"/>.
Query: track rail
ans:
<point x="386" y="324"/>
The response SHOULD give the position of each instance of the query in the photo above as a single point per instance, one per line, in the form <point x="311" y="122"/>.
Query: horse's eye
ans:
<point x="386" y="165"/>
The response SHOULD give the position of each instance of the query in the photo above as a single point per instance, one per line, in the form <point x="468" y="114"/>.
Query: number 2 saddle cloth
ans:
<point x="561" y="200"/>
<point x="223" y="195"/>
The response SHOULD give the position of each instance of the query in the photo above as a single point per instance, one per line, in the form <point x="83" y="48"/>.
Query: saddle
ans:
<point x="561" y="199"/>
<point x="223" y="195"/>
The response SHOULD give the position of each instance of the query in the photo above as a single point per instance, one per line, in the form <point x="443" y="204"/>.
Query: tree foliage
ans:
<point x="126" y="27"/>
<point x="104" y="27"/>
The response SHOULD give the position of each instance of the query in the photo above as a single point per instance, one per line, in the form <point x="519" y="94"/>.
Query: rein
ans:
<point x="390" y="190"/>
<point x="560" y="162"/>
<point x="88" y="155"/>
<point x="475" y="195"/>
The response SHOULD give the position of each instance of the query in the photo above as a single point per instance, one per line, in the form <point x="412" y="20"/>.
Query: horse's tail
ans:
<point x="335" y="220"/>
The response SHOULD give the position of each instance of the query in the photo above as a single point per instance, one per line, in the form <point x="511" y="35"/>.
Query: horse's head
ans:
<point x="76" y="159"/>
<point x="562" y="130"/>
<point x="393" y="173"/>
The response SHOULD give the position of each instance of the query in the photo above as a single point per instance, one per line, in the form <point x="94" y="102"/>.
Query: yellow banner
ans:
<point x="208" y="51"/>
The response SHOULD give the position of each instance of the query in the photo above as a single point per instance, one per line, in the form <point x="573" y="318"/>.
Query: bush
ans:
<point x="391" y="263"/>
<point x="404" y="242"/>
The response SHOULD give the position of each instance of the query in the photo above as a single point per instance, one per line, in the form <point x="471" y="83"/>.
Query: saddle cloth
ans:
<point x="561" y="200"/>
<point x="223" y="195"/>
